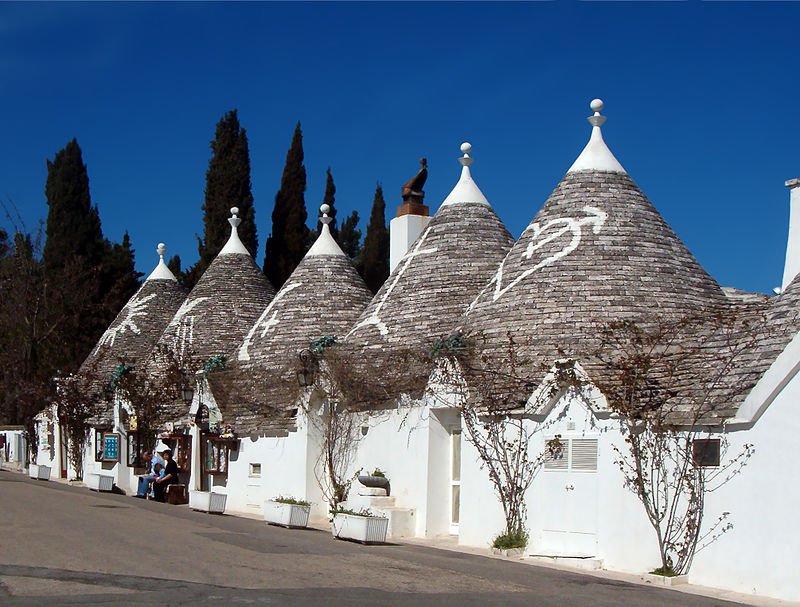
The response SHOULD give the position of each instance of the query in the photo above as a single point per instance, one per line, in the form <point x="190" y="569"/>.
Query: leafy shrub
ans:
<point x="508" y="541"/>
<point x="290" y="500"/>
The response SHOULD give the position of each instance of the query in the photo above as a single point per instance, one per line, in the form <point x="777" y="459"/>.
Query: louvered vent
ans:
<point x="584" y="454"/>
<point x="557" y="460"/>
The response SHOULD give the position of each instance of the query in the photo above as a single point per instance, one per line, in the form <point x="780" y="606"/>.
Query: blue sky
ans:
<point x="701" y="100"/>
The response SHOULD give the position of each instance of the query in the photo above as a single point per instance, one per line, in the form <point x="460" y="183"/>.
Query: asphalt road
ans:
<point x="62" y="545"/>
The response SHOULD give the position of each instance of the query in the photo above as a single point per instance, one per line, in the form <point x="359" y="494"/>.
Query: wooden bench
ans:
<point x="177" y="494"/>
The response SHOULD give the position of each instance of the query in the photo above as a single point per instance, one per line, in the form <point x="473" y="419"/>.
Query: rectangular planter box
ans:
<point x="99" y="482"/>
<point x="662" y="580"/>
<point x="287" y="515"/>
<point x="39" y="472"/>
<point x="511" y="553"/>
<point x="364" y="529"/>
<point x="207" y="501"/>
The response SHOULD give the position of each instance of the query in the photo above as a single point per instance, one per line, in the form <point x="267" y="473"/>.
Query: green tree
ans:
<point x="119" y="278"/>
<point x="350" y="236"/>
<point x="330" y="199"/>
<point x="227" y="185"/>
<point x="4" y="248"/>
<point x="288" y="242"/>
<point x="73" y="224"/>
<point x="174" y="265"/>
<point x="375" y="254"/>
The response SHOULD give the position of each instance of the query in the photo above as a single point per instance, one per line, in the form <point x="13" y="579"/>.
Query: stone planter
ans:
<point x="364" y="529"/>
<point x="99" y="482"/>
<point x="511" y="553"/>
<point x="207" y="501"/>
<point x="374" y="482"/>
<point x="663" y="580"/>
<point x="286" y="515"/>
<point x="39" y="472"/>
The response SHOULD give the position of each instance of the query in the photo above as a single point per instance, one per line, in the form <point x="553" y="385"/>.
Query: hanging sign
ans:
<point x="111" y="447"/>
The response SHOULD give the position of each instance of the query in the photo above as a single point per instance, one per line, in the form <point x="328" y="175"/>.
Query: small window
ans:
<point x="135" y="451"/>
<point x="705" y="452"/>
<point x="217" y="452"/>
<point x="98" y="445"/>
<point x="255" y="470"/>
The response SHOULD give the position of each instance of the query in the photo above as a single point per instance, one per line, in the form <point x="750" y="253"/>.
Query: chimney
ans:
<point x="412" y="217"/>
<point x="792" y="266"/>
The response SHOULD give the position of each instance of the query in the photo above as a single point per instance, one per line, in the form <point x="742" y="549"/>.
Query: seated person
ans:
<point x="170" y="477"/>
<point x="158" y="469"/>
<point x="150" y="460"/>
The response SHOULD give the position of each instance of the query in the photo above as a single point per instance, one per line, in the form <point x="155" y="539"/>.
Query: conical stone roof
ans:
<point x="222" y="306"/>
<point x="425" y="297"/>
<point x="323" y="297"/>
<point x="136" y="329"/>
<point x="597" y="252"/>
<point x="429" y="290"/>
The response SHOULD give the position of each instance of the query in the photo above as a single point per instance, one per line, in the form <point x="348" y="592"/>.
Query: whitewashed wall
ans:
<point x="759" y="555"/>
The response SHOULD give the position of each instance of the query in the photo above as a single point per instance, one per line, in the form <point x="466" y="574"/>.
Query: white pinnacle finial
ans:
<point x="234" y="246"/>
<point x="597" y="106"/>
<point x="234" y="220"/>
<point x="466" y="190"/>
<point x="161" y="271"/>
<point x="465" y="160"/>
<point x="325" y="209"/>
<point x="325" y="244"/>
<point x="596" y="156"/>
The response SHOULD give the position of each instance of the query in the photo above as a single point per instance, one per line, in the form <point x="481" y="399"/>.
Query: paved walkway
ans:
<point x="65" y="545"/>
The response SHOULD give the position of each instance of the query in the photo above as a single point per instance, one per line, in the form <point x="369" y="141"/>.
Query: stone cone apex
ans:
<point x="223" y="304"/>
<point x="444" y="269"/>
<point x="161" y="271"/>
<point x="596" y="156"/>
<point x="466" y="190"/>
<point x="324" y="296"/>
<point x="234" y="246"/>
<point x="136" y="329"/>
<point x="325" y="244"/>
<point x="597" y="252"/>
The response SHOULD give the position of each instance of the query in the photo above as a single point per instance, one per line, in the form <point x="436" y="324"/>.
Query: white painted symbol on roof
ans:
<point x="263" y="322"/>
<point x="374" y="317"/>
<point x="135" y="308"/>
<point x="184" y="327"/>
<point x="539" y="237"/>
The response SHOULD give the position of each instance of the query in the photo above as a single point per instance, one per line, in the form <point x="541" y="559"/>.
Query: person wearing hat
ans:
<point x="170" y="477"/>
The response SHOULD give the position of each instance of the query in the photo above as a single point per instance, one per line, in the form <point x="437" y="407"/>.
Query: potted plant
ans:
<point x="39" y="472"/>
<point x="287" y="512"/>
<point x="207" y="501"/>
<point x="666" y="576"/>
<point x="360" y="526"/>
<point x="376" y="480"/>
<point x="511" y="544"/>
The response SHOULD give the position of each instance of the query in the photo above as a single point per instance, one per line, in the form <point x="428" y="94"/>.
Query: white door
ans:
<point x="455" y="479"/>
<point x="569" y="499"/>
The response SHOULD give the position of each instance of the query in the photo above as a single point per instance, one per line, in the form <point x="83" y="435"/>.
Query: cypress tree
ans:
<point x="227" y="185"/>
<point x="174" y="265"/>
<point x="330" y="198"/>
<point x="288" y="242"/>
<point x="4" y="248"/>
<point x="73" y="224"/>
<point x="350" y="236"/>
<point x="120" y="280"/>
<point x="375" y="254"/>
